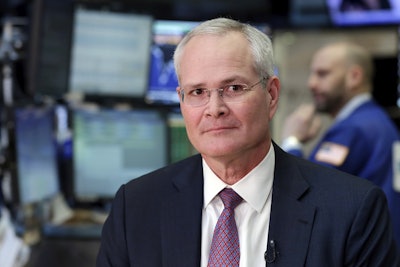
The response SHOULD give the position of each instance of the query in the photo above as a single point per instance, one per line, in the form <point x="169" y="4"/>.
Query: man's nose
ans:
<point x="216" y="105"/>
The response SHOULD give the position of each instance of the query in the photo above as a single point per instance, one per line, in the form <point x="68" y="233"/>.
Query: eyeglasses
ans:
<point x="230" y="93"/>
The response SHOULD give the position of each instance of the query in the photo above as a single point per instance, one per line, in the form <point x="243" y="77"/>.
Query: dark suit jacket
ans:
<point x="319" y="217"/>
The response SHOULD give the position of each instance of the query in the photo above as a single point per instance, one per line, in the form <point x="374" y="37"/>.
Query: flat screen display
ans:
<point x="110" y="53"/>
<point x="36" y="154"/>
<point x="49" y="48"/>
<point x="360" y="13"/>
<point x="162" y="80"/>
<point x="112" y="146"/>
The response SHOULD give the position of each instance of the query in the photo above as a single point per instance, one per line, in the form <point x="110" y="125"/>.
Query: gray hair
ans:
<point x="260" y="43"/>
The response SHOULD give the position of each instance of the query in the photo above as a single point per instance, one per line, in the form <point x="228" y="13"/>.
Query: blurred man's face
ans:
<point x="327" y="80"/>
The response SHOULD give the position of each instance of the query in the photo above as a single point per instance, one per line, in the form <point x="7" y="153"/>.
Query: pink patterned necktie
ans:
<point x="225" y="251"/>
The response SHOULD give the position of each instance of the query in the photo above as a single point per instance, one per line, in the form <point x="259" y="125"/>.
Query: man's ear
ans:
<point x="354" y="76"/>
<point x="274" y="87"/>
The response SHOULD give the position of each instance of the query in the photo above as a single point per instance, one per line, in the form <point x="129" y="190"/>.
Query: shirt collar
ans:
<point x="254" y="188"/>
<point x="354" y="103"/>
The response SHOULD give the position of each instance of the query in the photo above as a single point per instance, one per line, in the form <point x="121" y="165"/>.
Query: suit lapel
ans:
<point x="181" y="215"/>
<point x="290" y="225"/>
<point x="291" y="220"/>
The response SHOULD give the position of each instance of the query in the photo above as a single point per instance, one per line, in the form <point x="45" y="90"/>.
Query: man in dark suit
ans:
<point x="291" y="212"/>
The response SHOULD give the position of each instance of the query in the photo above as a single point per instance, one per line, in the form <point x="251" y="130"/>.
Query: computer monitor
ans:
<point x="36" y="155"/>
<point x="110" y="53"/>
<point x="180" y="146"/>
<point x="48" y="48"/>
<point x="162" y="79"/>
<point x="364" y="13"/>
<point x="112" y="146"/>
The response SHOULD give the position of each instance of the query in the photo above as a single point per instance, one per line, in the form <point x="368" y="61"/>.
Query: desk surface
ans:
<point x="64" y="253"/>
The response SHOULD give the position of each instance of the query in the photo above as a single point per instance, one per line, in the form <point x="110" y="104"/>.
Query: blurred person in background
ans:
<point x="362" y="135"/>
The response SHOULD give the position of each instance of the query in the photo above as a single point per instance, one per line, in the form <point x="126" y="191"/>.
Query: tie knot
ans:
<point x="230" y="198"/>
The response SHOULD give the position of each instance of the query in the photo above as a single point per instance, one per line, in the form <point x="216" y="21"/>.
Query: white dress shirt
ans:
<point x="252" y="214"/>
<point x="353" y="104"/>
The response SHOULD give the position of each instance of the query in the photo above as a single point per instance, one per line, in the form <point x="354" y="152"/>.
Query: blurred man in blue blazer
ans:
<point x="361" y="138"/>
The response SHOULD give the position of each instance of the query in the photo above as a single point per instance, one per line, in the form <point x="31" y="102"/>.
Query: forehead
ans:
<point x="328" y="58"/>
<point x="208" y="56"/>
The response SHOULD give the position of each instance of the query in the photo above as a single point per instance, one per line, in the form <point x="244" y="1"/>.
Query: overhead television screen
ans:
<point x="162" y="78"/>
<point x="110" y="53"/>
<point x="363" y="12"/>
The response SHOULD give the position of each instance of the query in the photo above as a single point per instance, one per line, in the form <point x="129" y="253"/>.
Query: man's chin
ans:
<point x="218" y="150"/>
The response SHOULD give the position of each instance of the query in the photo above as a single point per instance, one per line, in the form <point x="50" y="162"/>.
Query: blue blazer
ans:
<point x="319" y="217"/>
<point x="369" y="134"/>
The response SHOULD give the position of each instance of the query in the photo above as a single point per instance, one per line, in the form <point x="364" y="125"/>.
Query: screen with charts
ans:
<point x="111" y="147"/>
<point x="363" y="13"/>
<point x="110" y="53"/>
<point x="36" y="154"/>
<point x="163" y="80"/>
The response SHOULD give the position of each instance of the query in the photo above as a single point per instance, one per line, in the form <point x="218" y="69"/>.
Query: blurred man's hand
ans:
<point x="303" y="124"/>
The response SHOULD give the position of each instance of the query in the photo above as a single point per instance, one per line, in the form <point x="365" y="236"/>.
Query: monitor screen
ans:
<point x="360" y="13"/>
<point x="112" y="146"/>
<point x="36" y="156"/>
<point x="48" y="48"/>
<point x="162" y="79"/>
<point x="110" y="53"/>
